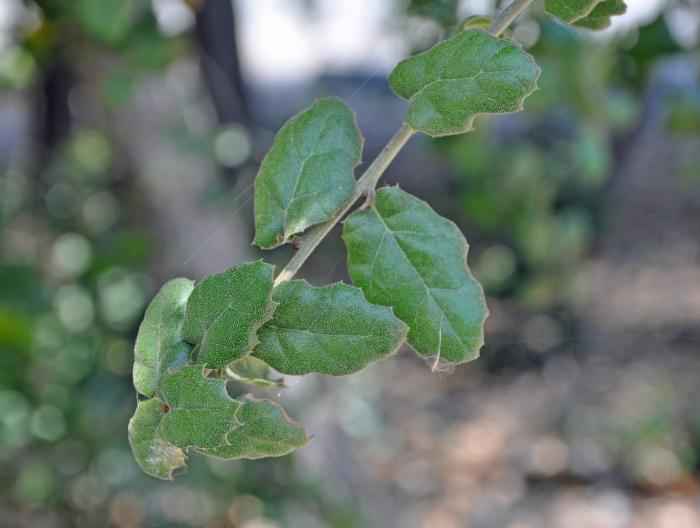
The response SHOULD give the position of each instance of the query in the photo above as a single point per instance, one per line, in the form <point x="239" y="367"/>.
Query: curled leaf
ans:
<point x="155" y="455"/>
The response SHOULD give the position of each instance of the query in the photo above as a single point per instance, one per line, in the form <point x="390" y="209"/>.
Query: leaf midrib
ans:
<point x="304" y="160"/>
<point x="425" y="285"/>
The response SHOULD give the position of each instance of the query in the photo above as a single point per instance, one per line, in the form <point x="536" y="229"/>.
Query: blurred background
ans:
<point x="130" y="135"/>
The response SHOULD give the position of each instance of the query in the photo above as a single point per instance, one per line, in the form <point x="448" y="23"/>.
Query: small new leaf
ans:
<point x="469" y="74"/>
<point x="253" y="371"/>
<point x="155" y="455"/>
<point x="330" y="330"/>
<point x="225" y="311"/>
<point x="307" y="176"/>
<point x="200" y="413"/>
<point x="264" y="430"/>
<point x="404" y="255"/>
<point x="159" y="345"/>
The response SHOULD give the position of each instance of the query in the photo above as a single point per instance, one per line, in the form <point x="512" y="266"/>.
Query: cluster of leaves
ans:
<point x="409" y="263"/>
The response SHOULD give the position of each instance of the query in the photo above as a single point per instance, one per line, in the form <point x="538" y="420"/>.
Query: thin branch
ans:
<point x="365" y="184"/>
<point x="368" y="181"/>
<point x="506" y="17"/>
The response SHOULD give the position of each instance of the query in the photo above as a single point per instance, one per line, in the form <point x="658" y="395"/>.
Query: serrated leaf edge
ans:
<point x="469" y="125"/>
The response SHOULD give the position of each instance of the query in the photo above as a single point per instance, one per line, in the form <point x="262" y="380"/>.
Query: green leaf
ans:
<point x="469" y="74"/>
<point x="599" y="18"/>
<point x="156" y="456"/>
<point x="264" y="430"/>
<point x="331" y="330"/>
<point x="200" y="412"/>
<point x="225" y="311"/>
<point x="307" y="176"/>
<point x="570" y="10"/>
<point x="159" y="345"/>
<point x="253" y="371"/>
<point x="404" y="255"/>
<point x="591" y="14"/>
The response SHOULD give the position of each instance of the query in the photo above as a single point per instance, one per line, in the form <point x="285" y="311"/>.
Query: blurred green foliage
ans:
<point x="74" y="276"/>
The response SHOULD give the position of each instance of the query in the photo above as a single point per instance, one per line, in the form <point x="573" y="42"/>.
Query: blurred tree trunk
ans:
<point x="215" y="33"/>
<point x="53" y="119"/>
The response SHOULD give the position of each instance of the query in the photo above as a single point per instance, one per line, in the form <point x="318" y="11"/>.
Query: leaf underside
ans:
<point x="459" y="78"/>
<point x="253" y="371"/>
<point x="225" y="311"/>
<point x="331" y="330"/>
<point x="404" y="255"/>
<point x="307" y="176"/>
<point x="159" y="345"/>
<point x="155" y="455"/>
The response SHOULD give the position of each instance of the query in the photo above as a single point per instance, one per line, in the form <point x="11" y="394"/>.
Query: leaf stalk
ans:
<point x="506" y="17"/>
<point x="366" y="184"/>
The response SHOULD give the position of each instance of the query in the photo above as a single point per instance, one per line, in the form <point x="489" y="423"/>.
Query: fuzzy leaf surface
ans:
<point x="263" y="430"/>
<point x="159" y="345"/>
<point x="600" y="17"/>
<point x="225" y="311"/>
<point x="330" y="330"/>
<point x="155" y="455"/>
<point x="404" y="255"/>
<point x="570" y="10"/>
<point x="590" y="14"/>
<point x="200" y="411"/>
<point x="307" y="176"/>
<point x="459" y="78"/>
